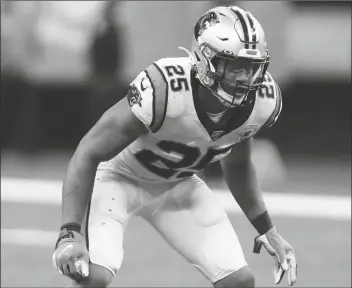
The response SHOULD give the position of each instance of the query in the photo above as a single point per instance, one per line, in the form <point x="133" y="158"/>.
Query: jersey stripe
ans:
<point x="160" y="96"/>
<point x="278" y="106"/>
<point x="86" y="228"/>
<point x="277" y="110"/>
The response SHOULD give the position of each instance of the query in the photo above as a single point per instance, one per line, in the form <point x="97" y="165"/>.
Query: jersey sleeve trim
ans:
<point x="277" y="110"/>
<point x="160" y="96"/>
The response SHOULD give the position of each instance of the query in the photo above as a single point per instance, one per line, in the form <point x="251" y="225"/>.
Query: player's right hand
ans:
<point x="71" y="256"/>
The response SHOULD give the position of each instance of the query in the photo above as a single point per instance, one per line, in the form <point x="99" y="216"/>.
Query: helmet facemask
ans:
<point x="231" y="78"/>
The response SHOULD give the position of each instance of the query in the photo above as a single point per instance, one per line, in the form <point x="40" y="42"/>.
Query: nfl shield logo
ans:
<point x="249" y="131"/>
<point x="217" y="134"/>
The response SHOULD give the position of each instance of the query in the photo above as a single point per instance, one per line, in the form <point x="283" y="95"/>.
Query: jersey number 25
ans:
<point x="177" y="83"/>
<point x="191" y="159"/>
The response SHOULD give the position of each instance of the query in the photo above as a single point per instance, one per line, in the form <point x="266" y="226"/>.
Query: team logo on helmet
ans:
<point x="133" y="96"/>
<point x="204" y="22"/>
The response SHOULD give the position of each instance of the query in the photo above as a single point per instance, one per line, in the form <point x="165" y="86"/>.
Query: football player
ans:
<point x="142" y="158"/>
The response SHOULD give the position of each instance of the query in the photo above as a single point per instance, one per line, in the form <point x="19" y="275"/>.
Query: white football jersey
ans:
<point x="182" y="139"/>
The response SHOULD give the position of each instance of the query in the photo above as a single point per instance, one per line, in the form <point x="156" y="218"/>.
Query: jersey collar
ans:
<point x="239" y="117"/>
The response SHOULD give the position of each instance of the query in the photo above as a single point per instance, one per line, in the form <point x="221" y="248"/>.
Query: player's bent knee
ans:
<point x="241" y="278"/>
<point x="99" y="277"/>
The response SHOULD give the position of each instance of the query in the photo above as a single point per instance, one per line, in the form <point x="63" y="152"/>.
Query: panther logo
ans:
<point x="204" y="22"/>
<point x="133" y="96"/>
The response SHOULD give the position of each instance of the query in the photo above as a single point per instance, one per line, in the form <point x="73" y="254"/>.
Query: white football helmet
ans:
<point x="229" y="54"/>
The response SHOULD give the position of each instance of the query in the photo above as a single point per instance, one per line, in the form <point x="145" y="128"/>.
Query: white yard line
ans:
<point x="33" y="191"/>
<point x="29" y="237"/>
<point x="299" y="205"/>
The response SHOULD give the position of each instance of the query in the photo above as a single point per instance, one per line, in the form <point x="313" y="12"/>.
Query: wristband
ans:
<point x="66" y="231"/>
<point x="72" y="226"/>
<point x="262" y="223"/>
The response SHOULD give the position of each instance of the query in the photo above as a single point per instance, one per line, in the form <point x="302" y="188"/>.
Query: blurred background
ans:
<point x="63" y="63"/>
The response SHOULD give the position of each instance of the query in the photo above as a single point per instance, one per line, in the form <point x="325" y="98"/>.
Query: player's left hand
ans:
<point x="283" y="253"/>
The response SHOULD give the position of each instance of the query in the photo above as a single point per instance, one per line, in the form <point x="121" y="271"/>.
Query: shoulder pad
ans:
<point x="278" y="98"/>
<point x="148" y="97"/>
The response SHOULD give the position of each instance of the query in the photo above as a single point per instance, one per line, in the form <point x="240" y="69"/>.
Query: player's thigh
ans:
<point x="106" y="217"/>
<point x="196" y="225"/>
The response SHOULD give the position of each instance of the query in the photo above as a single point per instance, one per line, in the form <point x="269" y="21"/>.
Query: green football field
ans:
<point x="323" y="245"/>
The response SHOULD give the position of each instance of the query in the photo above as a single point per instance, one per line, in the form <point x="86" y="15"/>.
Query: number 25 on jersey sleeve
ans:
<point x="177" y="82"/>
<point x="270" y="89"/>
<point x="149" y="93"/>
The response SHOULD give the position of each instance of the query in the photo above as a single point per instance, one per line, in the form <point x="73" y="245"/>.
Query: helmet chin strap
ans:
<point x="220" y="117"/>
<point x="222" y="101"/>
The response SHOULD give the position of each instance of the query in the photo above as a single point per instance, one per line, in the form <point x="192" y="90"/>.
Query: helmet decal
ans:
<point x="254" y="32"/>
<point x="247" y="26"/>
<point x="204" y="22"/>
